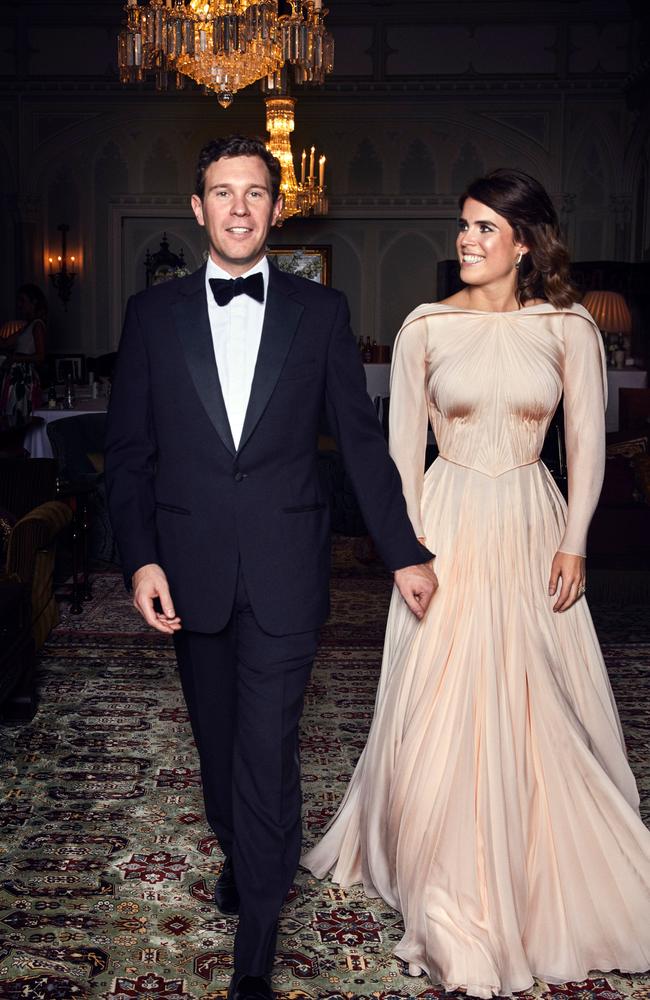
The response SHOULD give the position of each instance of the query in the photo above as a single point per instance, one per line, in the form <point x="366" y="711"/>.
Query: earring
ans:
<point x="519" y="258"/>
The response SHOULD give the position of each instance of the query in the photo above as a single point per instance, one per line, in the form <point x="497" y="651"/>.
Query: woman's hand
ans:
<point x="571" y="570"/>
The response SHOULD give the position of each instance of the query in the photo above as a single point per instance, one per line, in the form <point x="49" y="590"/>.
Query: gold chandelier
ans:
<point x="223" y="45"/>
<point x="304" y="197"/>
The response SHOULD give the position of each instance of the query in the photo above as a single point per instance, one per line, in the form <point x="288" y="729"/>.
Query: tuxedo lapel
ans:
<point x="281" y="318"/>
<point x="192" y="322"/>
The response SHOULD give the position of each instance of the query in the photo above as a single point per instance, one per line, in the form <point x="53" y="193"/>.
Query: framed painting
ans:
<point x="313" y="262"/>
<point x="69" y="364"/>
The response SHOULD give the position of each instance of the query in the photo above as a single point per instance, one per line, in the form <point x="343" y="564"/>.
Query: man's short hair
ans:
<point x="237" y="145"/>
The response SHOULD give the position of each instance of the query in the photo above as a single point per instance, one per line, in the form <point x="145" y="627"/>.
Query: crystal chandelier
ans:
<point x="306" y="197"/>
<point x="223" y="45"/>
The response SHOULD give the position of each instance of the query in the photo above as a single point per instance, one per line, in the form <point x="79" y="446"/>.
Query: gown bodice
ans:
<point x="489" y="384"/>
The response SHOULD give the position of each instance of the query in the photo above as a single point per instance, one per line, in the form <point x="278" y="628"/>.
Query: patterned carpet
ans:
<point x="108" y="867"/>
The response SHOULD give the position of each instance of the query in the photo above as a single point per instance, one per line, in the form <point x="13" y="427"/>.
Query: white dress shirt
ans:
<point x="236" y="335"/>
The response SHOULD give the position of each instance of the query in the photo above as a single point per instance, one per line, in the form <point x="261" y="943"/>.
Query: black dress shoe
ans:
<point x="226" y="895"/>
<point x="250" y="988"/>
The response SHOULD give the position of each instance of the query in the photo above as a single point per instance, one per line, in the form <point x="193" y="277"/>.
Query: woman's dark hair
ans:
<point x="37" y="299"/>
<point x="237" y="145"/>
<point x="544" y="271"/>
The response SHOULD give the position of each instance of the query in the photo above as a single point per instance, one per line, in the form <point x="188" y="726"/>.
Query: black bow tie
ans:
<point x="224" y="289"/>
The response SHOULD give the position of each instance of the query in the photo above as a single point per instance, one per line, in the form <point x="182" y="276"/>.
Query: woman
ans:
<point x="20" y="390"/>
<point x="493" y="804"/>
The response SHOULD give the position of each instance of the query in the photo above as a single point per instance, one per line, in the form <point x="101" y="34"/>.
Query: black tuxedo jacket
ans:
<point x="180" y="493"/>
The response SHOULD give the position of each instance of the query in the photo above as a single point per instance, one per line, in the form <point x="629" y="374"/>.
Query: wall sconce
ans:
<point x="612" y="315"/>
<point x="63" y="277"/>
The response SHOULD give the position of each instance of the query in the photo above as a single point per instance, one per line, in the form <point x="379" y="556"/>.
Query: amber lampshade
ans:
<point x="11" y="327"/>
<point x="610" y="311"/>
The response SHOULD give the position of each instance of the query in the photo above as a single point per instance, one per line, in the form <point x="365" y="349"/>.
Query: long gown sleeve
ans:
<point x="408" y="417"/>
<point x="585" y="397"/>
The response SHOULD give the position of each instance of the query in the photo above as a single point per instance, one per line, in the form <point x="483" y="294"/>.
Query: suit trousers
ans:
<point x="244" y="691"/>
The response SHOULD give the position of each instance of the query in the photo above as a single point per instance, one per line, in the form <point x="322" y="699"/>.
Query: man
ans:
<point x="211" y="469"/>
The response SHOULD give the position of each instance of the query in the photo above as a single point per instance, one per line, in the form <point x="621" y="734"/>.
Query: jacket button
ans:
<point x="239" y="476"/>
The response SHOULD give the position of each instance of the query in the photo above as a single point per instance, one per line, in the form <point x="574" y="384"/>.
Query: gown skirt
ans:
<point x="493" y="805"/>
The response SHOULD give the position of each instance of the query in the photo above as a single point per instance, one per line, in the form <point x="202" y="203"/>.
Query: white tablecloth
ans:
<point x="621" y="378"/>
<point x="377" y="380"/>
<point x="36" y="441"/>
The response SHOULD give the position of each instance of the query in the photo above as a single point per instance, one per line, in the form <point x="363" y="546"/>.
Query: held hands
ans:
<point x="571" y="570"/>
<point x="417" y="585"/>
<point x="150" y="582"/>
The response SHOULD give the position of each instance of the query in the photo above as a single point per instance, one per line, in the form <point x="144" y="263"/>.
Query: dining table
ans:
<point x="36" y="441"/>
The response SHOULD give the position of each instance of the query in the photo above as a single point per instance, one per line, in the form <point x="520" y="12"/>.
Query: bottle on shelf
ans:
<point x="367" y="352"/>
<point x="69" y="397"/>
<point x="619" y="353"/>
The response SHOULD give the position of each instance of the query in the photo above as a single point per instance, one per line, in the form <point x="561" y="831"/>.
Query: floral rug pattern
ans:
<point x="107" y="865"/>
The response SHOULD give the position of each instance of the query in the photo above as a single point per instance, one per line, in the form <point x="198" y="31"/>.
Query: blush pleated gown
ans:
<point x="493" y="805"/>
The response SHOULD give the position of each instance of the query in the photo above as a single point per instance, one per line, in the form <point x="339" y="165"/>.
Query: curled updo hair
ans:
<point x="544" y="271"/>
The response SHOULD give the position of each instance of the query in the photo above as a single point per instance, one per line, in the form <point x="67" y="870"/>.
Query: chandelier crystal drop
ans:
<point x="304" y="197"/>
<point x="223" y="45"/>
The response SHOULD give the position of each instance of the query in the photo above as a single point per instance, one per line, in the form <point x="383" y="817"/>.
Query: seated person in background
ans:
<point x="20" y="390"/>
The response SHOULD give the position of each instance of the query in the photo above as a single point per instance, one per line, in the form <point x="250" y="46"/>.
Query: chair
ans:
<point x="12" y="437"/>
<point x="634" y="410"/>
<point x="78" y="447"/>
<point x="103" y="366"/>
<point x="28" y="609"/>
<point x="345" y="514"/>
<point x="553" y="453"/>
<point x="74" y="440"/>
<point x="17" y="652"/>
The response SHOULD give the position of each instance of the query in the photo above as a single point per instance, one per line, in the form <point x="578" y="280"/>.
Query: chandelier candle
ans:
<point x="306" y="197"/>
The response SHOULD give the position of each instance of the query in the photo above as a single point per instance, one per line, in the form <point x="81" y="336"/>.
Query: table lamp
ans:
<point x="11" y="327"/>
<point x="612" y="314"/>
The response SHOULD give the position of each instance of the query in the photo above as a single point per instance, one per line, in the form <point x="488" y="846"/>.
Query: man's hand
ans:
<point x="571" y="570"/>
<point x="150" y="582"/>
<point x="417" y="585"/>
